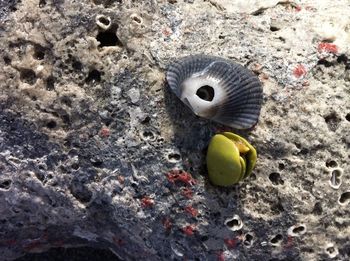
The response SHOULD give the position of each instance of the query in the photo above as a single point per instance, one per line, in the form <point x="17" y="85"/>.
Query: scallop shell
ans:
<point x="217" y="89"/>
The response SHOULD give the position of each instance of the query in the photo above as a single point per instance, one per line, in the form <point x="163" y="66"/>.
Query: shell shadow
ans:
<point x="190" y="131"/>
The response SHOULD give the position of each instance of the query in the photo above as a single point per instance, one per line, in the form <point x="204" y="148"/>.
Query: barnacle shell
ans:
<point x="230" y="158"/>
<point x="217" y="89"/>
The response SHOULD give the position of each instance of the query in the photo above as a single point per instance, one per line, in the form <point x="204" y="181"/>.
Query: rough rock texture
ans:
<point x="89" y="130"/>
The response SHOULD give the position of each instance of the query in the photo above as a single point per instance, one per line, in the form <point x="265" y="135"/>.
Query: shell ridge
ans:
<point x="240" y="104"/>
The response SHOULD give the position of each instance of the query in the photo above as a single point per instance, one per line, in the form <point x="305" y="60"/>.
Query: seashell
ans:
<point x="230" y="158"/>
<point x="217" y="89"/>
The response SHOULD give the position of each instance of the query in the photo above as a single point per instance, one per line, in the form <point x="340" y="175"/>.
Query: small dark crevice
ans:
<point x="298" y="229"/>
<point x="39" y="52"/>
<point x="274" y="28"/>
<point x="50" y="83"/>
<point x="5" y="184"/>
<point x="331" y="164"/>
<point x="347" y="117"/>
<point x="276" y="179"/>
<point x="76" y="65"/>
<point x="108" y="38"/>
<point x="42" y="3"/>
<point x="51" y="124"/>
<point x="7" y="60"/>
<point x="344" y="198"/>
<point x="325" y="63"/>
<point x="174" y="156"/>
<point x="94" y="76"/>
<point x="28" y="76"/>
<point x="276" y="239"/>
<point x="248" y="240"/>
<point x="104" y="21"/>
<point x="332" y="121"/>
<point x="317" y="208"/>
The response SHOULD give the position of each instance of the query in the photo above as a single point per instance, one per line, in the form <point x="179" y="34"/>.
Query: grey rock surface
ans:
<point x="91" y="136"/>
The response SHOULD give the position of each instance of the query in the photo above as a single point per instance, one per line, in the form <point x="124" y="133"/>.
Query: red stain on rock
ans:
<point x="167" y="223"/>
<point x="299" y="71"/>
<point x="327" y="47"/>
<point x="105" y="132"/>
<point x="187" y="192"/>
<point x="230" y="242"/>
<point x="147" y="202"/>
<point x="166" y="32"/>
<point x="182" y="176"/>
<point x="32" y="245"/>
<point x="221" y="256"/>
<point x="188" y="230"/>
<point x="289" y="242"/>
<point x="191" y="210"/>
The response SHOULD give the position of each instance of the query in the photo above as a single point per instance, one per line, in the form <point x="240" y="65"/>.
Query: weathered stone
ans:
<point x="89" y="129"/>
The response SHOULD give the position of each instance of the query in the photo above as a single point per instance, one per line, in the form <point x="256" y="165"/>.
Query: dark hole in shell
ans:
<point x="206" y="93"/>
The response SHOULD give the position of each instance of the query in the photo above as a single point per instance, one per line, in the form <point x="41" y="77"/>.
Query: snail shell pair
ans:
<point x="225" y="92"/>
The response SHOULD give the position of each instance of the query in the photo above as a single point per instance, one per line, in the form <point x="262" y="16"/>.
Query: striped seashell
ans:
<point x="217" y="89"/>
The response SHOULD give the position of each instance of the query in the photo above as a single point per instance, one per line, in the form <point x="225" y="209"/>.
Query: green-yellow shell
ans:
<point x="230" y="159"/>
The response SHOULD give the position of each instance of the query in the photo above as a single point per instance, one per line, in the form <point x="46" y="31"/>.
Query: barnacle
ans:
<point x="217" y="89"/>
<point x="230" y="158"/>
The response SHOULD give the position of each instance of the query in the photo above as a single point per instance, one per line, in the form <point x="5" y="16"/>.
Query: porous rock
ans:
<point x="96" y="151"/>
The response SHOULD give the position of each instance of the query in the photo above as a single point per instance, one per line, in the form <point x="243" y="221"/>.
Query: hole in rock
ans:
<point x="50" y="83"/>
<point x="347" y="117"/>
<point x="248" y="240"/>
<point x="93" y="76"/>
<point x="332" y="121"/>
<point x="204" y="238"/>
<point x="81" y="192"/>
<point x="42" y="3"/>
<point x="277" y="208"/>
<point x="137" y="19"/>
<point x="336" y="178"/>
<point x="174" y="157"/>
<point x="317" y="208"/>
<point x="234" y="224"/>
<point x="276" y="179"/>
<point x="39" y="52"/>
<point x="330" y="250"/>
<point x="146" y="120"/>
<point x="67" y="101"/>
<point x="298" y="230"/>
<point x="148" y="135"/>
<point x="75" y="166"/>
<point x="7" y="60"/>
<point x="96" y="162"/>
<point x="106" y="3"/>
<point x="108" y="38"/>
<point x="274" y="28"/>
<point x="331" y="164"/>
<point x="325" y="63"/>
<point x="342" y="59"/>
<point x="104" y="20"/>
<point x="28" y="76"/>
<point x="206" y="93"/>
<point x="276" y="239"/>
<point x="344" y="198"/>
<point x="51" y="124"/>
<point x="76" y="65"/>
<point x="5" y="184"/>
<point x="281" y="166"/>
